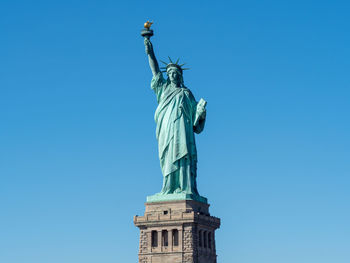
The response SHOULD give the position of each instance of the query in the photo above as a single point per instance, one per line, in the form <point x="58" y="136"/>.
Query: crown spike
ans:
<point x="172" y="64"/>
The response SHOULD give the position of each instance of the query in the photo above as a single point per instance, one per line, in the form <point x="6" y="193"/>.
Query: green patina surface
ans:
<point x="175" y="197"/>
<point x="178" y="117"/>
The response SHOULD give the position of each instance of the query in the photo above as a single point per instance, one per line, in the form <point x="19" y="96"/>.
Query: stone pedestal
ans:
<point x="177" y="232"/>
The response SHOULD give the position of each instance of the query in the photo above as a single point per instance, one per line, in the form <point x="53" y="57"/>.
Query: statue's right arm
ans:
<point x="153" y="63"/>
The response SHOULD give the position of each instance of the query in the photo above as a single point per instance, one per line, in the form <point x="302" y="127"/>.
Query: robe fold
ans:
<point x="174" y="116"/>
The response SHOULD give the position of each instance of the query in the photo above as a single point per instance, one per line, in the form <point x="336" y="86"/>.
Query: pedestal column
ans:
<point x="187" y="216"/>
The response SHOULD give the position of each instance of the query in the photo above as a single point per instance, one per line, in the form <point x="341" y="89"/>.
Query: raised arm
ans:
<point x="153" y="63"/>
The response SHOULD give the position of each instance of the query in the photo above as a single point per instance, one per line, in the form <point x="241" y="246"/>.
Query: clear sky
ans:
<point x="78" y="153"/>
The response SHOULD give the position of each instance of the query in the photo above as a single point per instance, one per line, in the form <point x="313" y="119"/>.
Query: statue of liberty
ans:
<point x="178" y="116"/>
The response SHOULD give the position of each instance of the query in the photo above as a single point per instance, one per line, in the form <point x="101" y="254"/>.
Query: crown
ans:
<point x="173" y="65"/>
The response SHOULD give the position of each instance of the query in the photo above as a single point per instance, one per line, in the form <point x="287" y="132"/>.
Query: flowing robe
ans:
<point x="175" y="116"/>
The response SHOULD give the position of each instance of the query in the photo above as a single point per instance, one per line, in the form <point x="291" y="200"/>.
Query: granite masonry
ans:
<point x="177" y="232"/>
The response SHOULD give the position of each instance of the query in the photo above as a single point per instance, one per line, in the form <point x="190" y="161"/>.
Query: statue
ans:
<point x="178" y="116"/>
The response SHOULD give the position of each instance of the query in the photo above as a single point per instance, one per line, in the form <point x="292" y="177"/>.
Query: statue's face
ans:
<point x="174" y="76"/>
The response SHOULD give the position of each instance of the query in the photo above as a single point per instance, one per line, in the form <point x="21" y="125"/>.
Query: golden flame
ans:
<point x="148" y="24"/>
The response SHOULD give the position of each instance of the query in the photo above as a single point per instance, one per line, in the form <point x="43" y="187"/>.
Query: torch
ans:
<point x="147" y="32"/>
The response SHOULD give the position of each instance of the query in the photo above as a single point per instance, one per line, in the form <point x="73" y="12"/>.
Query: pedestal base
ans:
<point x="177" y="232"/>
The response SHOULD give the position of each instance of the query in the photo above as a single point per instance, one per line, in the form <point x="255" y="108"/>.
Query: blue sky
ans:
<point x="78" y="151"/>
